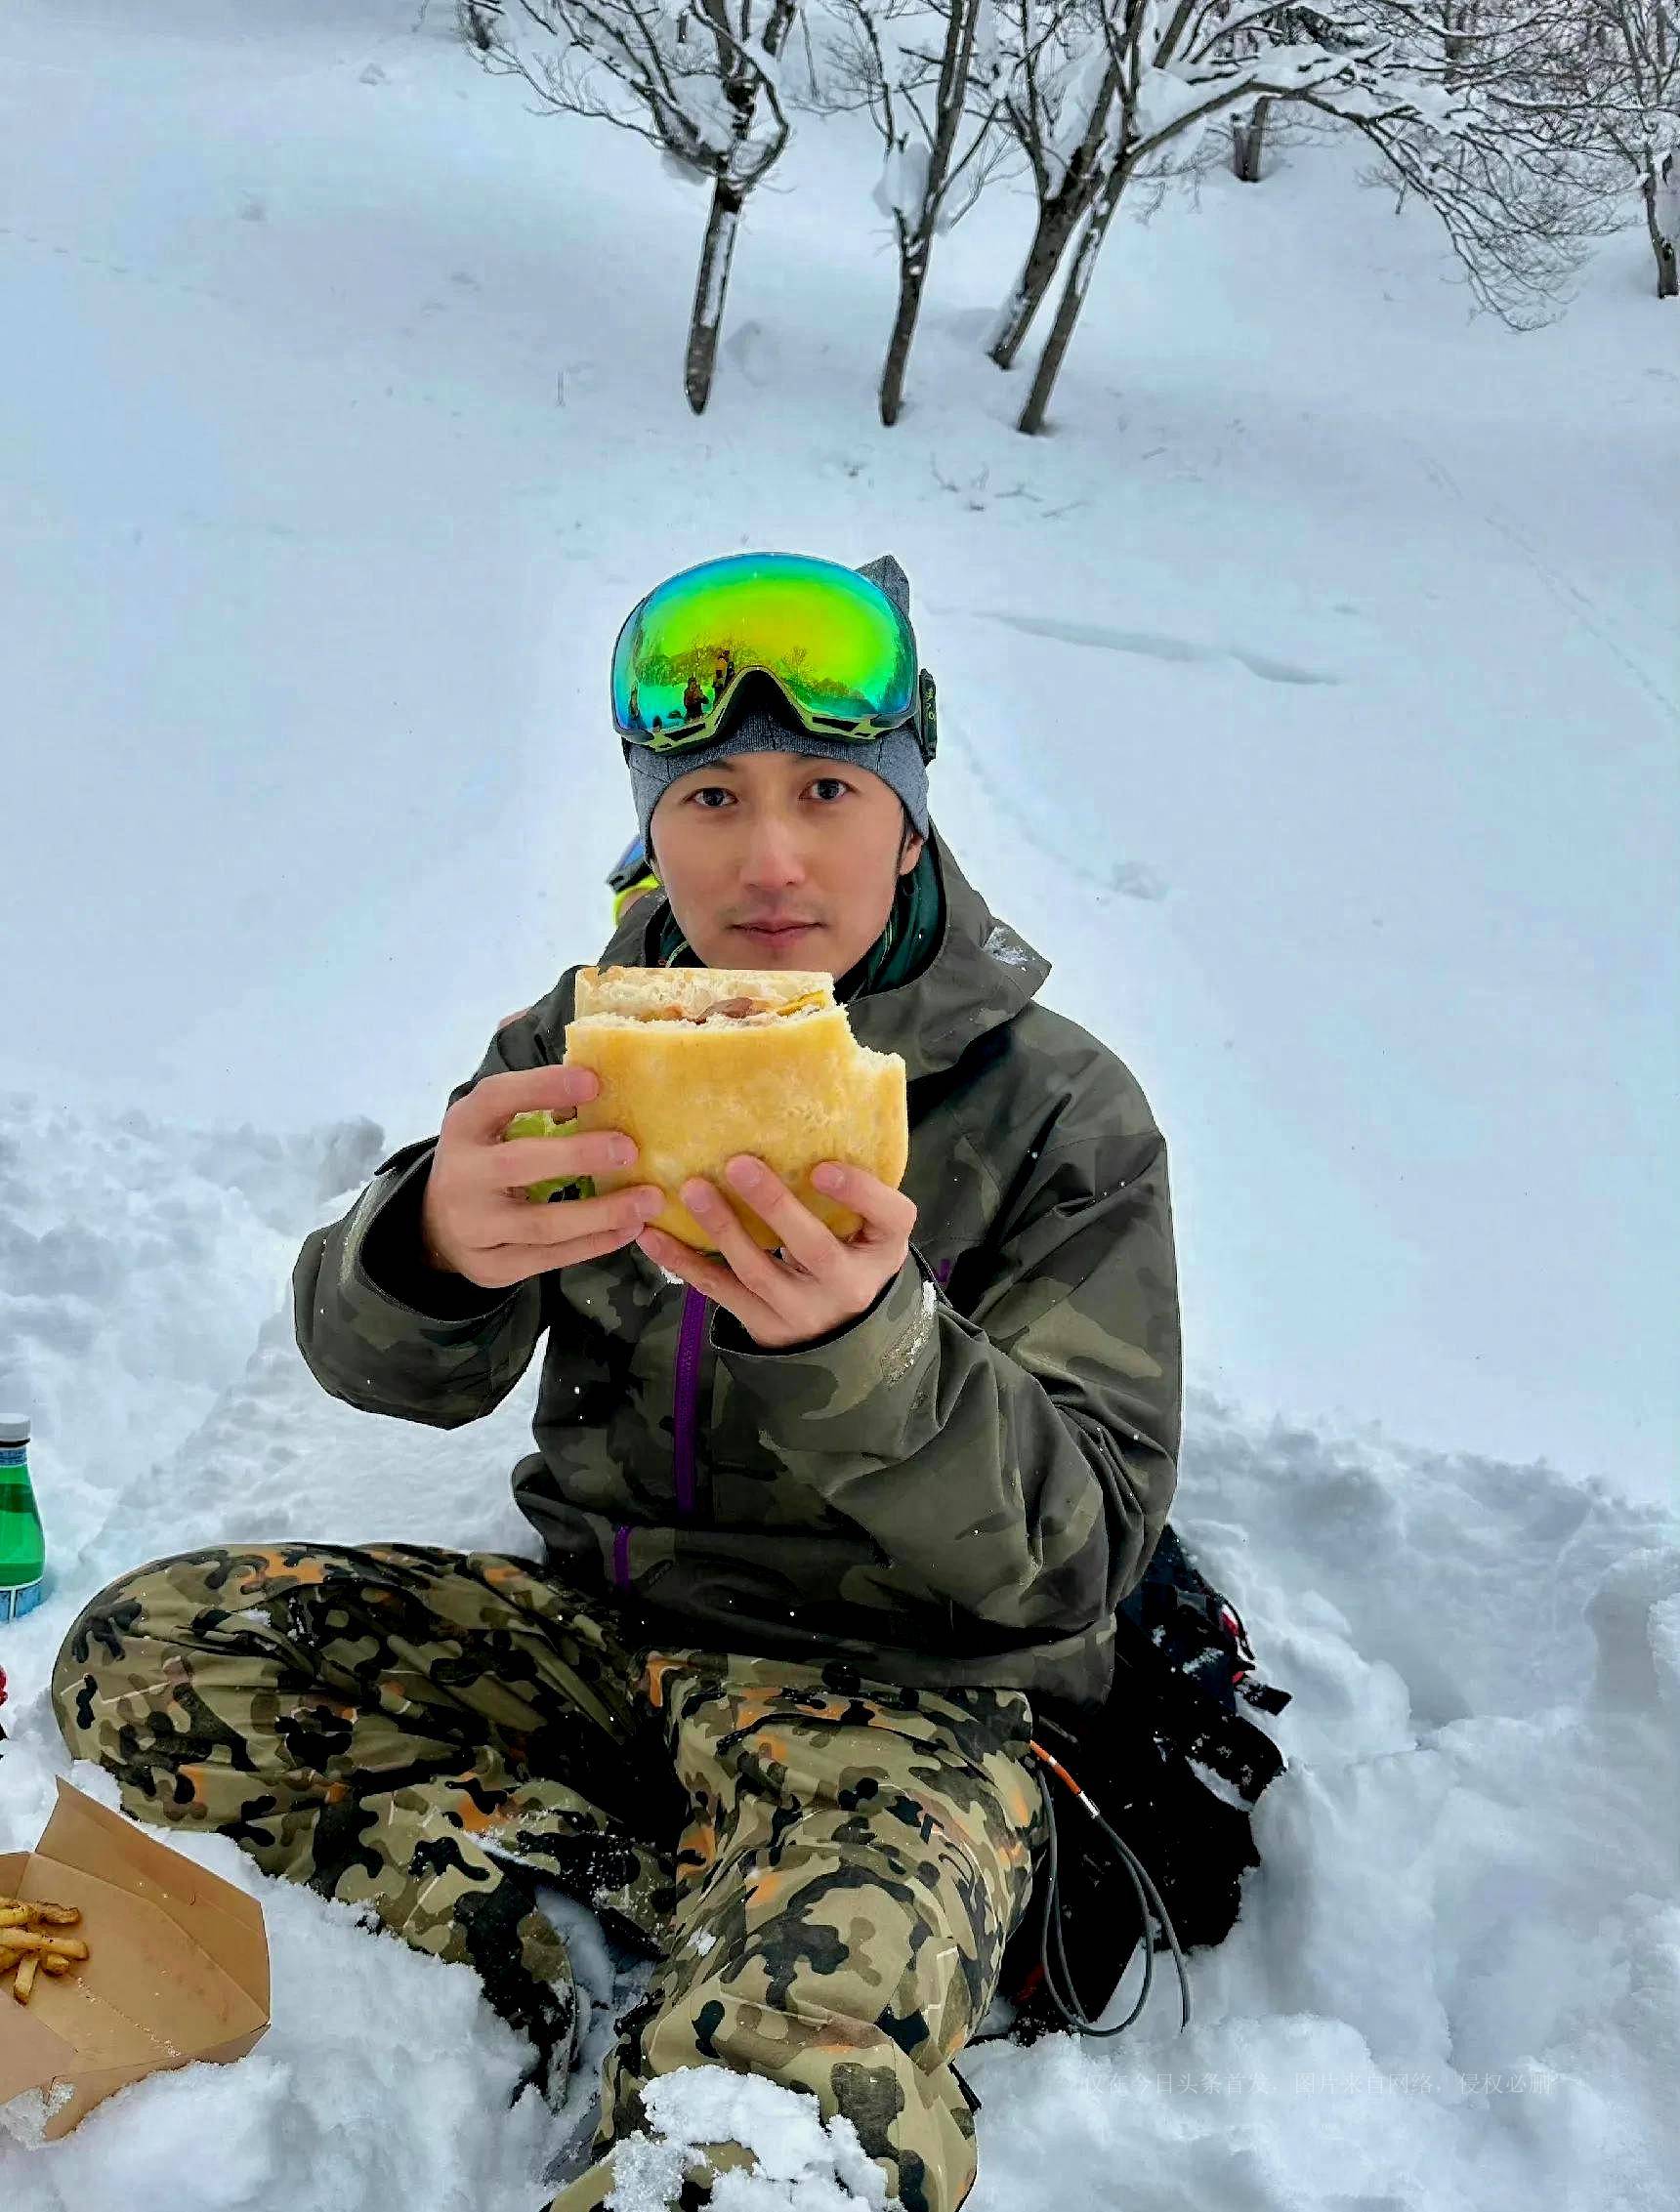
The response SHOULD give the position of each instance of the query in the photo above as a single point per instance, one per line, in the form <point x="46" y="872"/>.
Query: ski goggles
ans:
<point x="831" y="640"/>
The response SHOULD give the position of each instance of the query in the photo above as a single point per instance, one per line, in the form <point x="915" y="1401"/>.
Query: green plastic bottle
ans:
<point x="22" y="1543"/>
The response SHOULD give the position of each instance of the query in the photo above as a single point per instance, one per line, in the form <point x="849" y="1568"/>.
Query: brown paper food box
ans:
<point x="178" y="1964"/>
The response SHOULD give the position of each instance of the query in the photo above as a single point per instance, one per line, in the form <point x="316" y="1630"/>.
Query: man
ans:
<point x="818" y="1524"/>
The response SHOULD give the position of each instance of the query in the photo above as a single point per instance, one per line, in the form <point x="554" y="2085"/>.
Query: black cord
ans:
<point x="1052" y="1943"/>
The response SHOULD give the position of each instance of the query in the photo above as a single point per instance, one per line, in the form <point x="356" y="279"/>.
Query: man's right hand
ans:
<point x="476" y="1220"/>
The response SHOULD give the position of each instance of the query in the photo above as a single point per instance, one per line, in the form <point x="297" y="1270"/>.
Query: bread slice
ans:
<point x="791" y="1087"/>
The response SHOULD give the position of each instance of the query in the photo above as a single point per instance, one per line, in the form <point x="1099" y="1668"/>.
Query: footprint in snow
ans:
<point x="752" y="349"/>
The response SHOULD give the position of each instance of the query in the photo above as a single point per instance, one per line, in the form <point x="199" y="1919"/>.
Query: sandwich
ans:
<point x="699" y="1064"/>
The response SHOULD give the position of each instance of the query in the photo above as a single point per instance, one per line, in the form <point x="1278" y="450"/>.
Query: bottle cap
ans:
<point x="13" y="1429"/>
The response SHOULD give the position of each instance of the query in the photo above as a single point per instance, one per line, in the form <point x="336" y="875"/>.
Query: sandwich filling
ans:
<point x="740" y="1009"/>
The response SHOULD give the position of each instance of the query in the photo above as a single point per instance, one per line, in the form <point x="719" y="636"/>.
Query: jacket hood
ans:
<point x="981" y="974"/>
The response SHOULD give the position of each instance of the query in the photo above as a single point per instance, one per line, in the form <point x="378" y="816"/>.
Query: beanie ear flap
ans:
<point x="887" y="572"/>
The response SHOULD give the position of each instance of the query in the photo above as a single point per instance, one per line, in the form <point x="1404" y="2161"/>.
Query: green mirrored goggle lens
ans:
<point x="843" y="656"/>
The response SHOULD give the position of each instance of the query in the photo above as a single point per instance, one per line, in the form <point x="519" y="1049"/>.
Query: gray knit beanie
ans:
<point x="895" y="758"/>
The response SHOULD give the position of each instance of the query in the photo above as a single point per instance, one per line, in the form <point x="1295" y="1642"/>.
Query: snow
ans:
<point x="716" y="277"/>
<point x="1309" y="699"/>
<point x="804" y="2163"/>
<point x="902" y="188"/>
<point x="1077" y="85"/>
<point x="26" y="2116"/>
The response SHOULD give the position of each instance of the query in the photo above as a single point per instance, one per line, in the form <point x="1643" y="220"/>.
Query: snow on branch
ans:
<point x="928" y="74"/>
<point x="700" y="79"/>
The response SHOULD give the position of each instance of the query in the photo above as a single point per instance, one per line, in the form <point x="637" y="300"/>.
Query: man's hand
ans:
<point x="819" y="1284"/>
<point x="476" y="1221"/>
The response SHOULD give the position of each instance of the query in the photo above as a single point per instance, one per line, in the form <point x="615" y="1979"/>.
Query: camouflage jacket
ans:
<point x="961" y="1485"/>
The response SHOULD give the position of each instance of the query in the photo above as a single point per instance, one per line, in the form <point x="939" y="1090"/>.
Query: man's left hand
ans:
<point x="817" y="1283"/>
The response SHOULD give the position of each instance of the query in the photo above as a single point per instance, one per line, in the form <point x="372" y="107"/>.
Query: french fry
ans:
<point x="19" y="1912"/>
<point x="27" y="1950"/>
<point x="31" y="1939"/>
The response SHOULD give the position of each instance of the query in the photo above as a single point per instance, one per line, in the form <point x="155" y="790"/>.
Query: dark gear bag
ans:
<point x="1149" y="1798"/>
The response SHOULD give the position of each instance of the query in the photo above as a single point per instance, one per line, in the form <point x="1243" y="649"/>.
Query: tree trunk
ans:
<point x="915" y="242"/>
<point x="1058" y="220"/>
<point x="1662" y="245"/>
<point x="1059" y="217"/>
<point x="912" y="277"/>
<point x="1102" y="214"/>
<point x="1248" y="142"/>
<point x="710" y="287"/>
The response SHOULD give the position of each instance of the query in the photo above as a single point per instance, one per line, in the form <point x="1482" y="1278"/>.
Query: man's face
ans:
<point x="752" y="845"/>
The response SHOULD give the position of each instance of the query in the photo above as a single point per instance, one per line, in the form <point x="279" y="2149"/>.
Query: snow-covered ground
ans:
<point x="1309" y="699"/>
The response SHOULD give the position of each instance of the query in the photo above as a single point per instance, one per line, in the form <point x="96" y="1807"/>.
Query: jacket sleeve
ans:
<point x="1020" y="1461"/>
<point x="381" y="1329"/>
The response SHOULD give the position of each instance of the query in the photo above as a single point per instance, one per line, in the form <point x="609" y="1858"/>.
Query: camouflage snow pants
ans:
<point x="826" y="1871"/>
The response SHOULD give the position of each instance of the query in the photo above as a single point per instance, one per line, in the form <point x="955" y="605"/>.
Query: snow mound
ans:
<point x="138" y="1262"/>
<point x="804" y="2163"/>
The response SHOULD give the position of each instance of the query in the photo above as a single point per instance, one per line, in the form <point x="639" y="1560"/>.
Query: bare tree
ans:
<point x="1516" y="179"/>
<point x="926" y="73"/>
<point x="1460" y="130"/>
<point x="698" y="79"/>
<point x="1620" y="79"/>
<point x="1060" y="103"/>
